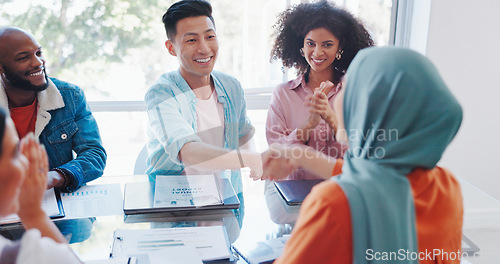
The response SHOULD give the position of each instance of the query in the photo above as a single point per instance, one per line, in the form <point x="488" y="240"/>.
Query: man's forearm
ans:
<point x="205" y="156"/>
<point x="246" y="142"/>
<point x="91" y="159"/>
<point x="55" y="180"/>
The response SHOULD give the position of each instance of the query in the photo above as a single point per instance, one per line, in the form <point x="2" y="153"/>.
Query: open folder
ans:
<point x="179" y="193"/>
<point x="51" y="204"/>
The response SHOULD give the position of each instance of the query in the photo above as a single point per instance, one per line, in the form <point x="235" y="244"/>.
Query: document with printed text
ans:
<point x="187" y="191"/>
<point x="210" y="242"/>
<point x="51" y="204"/>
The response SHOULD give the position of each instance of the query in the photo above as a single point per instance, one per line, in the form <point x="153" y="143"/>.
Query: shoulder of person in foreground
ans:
<point x="322" y="233"/>
<point x="37" y="249"/>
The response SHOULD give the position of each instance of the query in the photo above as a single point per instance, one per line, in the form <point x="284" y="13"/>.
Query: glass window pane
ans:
<point x="375" y="15"/>
<point x="123" y="136"/>
<point x="115" y="50"/>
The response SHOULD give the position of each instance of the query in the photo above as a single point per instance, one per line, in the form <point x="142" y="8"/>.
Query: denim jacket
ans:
<point x="171" y="107"/>
<point x="65" y="124"/>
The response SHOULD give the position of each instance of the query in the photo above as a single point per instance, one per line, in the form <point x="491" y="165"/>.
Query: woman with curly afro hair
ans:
<point x="319" y="40"/>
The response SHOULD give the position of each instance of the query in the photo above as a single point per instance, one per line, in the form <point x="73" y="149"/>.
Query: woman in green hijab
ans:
<point x="391" y="204"/>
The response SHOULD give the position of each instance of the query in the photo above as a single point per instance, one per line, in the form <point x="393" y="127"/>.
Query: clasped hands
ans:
<point x="279" y="161"/>
<point x="319" y="106"/>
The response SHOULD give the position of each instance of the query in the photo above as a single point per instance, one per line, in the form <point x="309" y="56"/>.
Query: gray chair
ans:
<point x="140" y="163"/>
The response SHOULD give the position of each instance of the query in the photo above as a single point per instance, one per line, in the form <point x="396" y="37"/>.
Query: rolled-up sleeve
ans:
<point x="166" y="122"/>
<point x="90" y="154"/>
<point x="244" y="124"/>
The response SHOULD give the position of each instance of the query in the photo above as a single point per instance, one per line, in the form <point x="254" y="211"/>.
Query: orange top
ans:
<point x="337" y="168"/>
<point x="24" y="118"/>
<point x="323" y="232"/>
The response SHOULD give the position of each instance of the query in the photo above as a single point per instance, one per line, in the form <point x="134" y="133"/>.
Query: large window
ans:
<point x="114" y="50"/>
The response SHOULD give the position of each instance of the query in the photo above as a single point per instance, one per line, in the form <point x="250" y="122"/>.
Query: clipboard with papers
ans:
<point x="51" y="204"/>
<point x="179" y="193"/>
<point x="206" y="243"/>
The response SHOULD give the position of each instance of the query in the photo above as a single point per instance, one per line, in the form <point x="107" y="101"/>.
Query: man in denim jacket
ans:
<point x="197" y="116"/>
<point x="55" y="111"/>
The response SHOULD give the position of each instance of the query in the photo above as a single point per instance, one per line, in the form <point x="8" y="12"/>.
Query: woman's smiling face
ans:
<point x="320" y="48"/>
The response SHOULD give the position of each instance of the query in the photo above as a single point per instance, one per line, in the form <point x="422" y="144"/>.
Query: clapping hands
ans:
<point x="35" y="183"/>
<point x="30" y="200"/>
<point x="319" y="105"/>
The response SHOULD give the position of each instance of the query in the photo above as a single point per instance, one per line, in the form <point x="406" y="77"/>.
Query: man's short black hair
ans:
<point x="183" y="9"/>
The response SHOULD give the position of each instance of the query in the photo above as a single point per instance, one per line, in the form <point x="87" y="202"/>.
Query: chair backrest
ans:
<point x="140" y="163"/>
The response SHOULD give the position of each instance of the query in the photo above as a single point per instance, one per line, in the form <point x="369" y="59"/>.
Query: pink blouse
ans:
<point x="287" y="112"/>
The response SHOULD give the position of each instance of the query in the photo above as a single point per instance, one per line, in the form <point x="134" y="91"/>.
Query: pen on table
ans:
<point x="132" y="260"/>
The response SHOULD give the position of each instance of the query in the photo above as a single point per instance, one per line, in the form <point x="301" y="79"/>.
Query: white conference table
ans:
<point x="92" y="238"/>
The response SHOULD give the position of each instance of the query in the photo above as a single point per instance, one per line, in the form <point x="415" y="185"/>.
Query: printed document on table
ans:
<point x="49" y="205"/>
<point x="210" y="242"/>
<point x="93" y="200"/>
<point x="186" y="191"/>
<point x="261" y="251"/>
<point x="171" y="255"/>
<point x="174" y="255"/>
<point x="112" y="261"/>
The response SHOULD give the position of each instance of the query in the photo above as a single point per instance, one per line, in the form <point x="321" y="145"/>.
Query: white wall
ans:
<point x="464" y="44"/>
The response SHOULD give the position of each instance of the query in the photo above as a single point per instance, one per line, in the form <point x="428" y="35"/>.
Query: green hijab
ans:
<point x="399" y="115"/>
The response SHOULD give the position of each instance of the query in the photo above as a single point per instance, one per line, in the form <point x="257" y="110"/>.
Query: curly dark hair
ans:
<point x="294" y="24"/>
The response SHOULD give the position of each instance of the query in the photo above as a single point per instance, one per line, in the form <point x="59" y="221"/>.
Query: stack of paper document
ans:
<point x="207" y="243"/>
<point x="179" y="193"/>
<point x="51" y="204"/>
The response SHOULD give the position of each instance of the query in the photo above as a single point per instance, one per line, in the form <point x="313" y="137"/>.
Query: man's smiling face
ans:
<point x="22" y="64"/>
<point x="195" y="45"/>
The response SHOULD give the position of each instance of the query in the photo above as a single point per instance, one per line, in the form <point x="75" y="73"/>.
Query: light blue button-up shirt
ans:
<point x="171" y="108"/>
